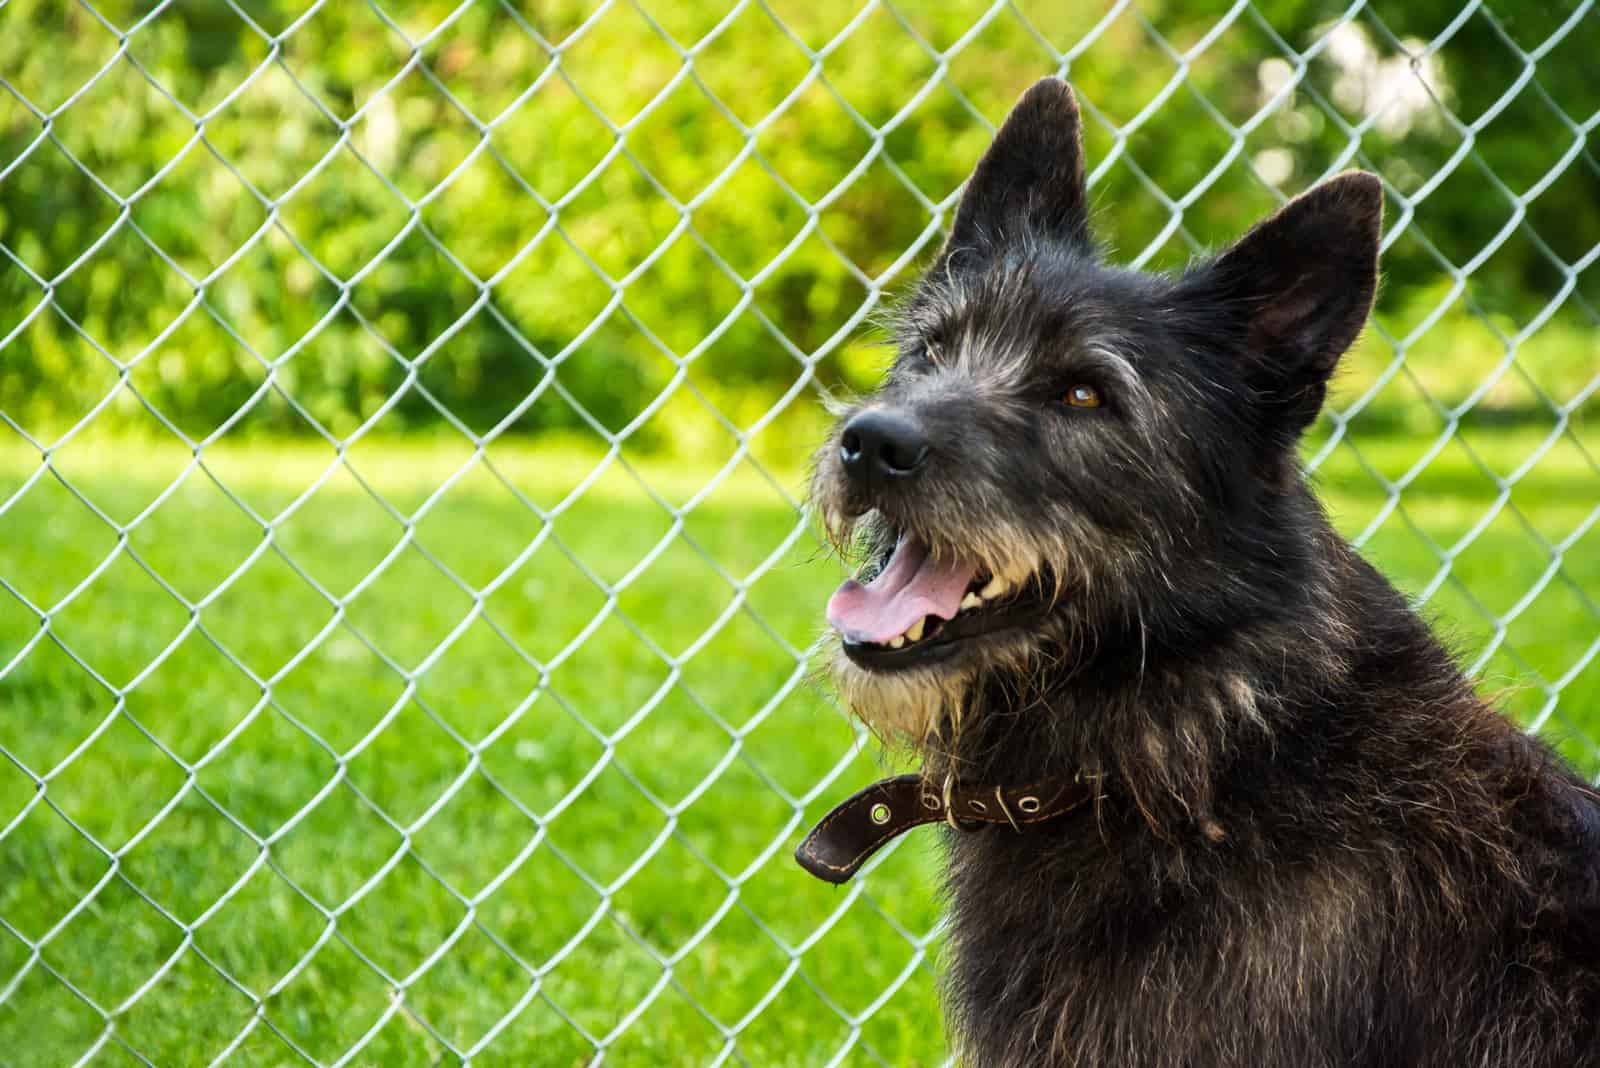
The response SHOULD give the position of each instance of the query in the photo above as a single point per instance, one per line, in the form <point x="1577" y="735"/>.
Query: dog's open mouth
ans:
<point x="918" y="610"/>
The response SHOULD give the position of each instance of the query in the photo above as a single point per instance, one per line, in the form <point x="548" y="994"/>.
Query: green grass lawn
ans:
<point x="552" y="817"/>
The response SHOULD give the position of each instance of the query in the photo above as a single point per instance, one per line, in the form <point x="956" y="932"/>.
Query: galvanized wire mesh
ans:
<point x="1380" y="83"/>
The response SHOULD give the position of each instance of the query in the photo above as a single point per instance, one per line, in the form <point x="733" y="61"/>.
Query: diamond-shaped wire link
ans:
<point x="330" y="840"/>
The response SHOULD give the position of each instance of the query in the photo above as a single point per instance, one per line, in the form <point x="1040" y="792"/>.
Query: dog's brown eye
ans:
<point x="1082" y="396"/>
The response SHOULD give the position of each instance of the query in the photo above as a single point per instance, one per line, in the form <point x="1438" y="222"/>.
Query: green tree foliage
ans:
<point x="544" y="216"/>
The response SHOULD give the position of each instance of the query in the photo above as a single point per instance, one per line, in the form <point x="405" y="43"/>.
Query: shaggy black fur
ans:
<point x="1316" y="845"/>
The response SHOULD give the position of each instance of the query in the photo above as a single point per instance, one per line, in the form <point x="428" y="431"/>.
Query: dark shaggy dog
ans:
<point x="1095" y="556"/>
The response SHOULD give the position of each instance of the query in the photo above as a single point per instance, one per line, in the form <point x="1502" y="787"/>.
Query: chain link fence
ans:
<point x="404" y="592"/>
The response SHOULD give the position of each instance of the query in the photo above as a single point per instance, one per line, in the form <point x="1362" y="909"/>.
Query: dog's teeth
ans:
<point x="914" y="632"/>
<point x="897" y="641"/>
<point x="996" y="587"/>
<point x="971" y="600"/>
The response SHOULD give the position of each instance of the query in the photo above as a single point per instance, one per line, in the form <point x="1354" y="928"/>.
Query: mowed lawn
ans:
<point x="548" y="821"/>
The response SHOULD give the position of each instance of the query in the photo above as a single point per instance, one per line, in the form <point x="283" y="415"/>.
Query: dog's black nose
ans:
<point x="879" y="444"/>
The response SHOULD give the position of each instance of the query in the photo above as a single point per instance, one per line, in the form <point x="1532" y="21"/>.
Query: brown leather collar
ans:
<point x="867" y="821"/>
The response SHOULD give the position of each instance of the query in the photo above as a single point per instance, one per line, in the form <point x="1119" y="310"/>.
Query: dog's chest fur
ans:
<point x="1312" y="895"/>
<point x="1333" y="954"/>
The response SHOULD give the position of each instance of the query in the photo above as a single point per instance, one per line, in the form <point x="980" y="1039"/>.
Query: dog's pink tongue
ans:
<point x="911" y="586"/>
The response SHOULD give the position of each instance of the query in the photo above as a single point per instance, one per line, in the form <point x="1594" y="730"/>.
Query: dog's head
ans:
<point x="1069" y="458"/>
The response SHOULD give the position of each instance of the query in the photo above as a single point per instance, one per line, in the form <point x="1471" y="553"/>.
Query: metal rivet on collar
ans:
<point x="1028" y="804"/>
<point x="929" y="801"/>
<point x="880" y="813"/>
<point x="978" y="806"/>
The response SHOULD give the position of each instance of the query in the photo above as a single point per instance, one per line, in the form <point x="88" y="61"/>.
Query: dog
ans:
<point x="1271" y="822"/>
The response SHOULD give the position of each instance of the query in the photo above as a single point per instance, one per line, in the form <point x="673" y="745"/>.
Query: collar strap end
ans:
<point x="868" y="820"/>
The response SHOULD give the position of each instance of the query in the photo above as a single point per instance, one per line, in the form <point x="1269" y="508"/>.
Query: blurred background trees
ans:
<point x="543" y="219"/>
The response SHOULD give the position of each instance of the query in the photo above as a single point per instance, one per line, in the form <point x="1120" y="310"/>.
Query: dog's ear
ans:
<point x="1301" y="285"/>
<point x="1030" y="180"/>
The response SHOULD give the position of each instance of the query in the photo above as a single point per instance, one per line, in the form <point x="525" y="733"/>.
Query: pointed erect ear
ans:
<point x="1031" y="179"/>
<point x="1301" y="284"/>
